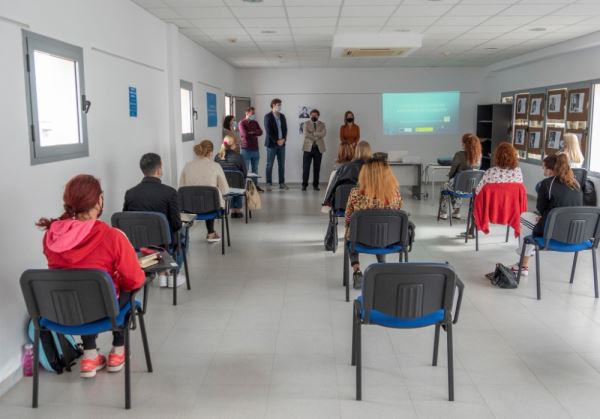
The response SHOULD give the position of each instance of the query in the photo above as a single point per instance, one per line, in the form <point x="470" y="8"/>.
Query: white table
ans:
<point x="431" y="175"/>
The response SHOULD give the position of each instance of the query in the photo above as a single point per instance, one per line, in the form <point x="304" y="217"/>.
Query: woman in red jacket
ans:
<point x="79" y="240"/>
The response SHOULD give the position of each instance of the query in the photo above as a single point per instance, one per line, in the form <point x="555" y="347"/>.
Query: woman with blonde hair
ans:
<point x="468" y="158"/>
<point x="573" y="152"/>
<point x="348" y="172"/>
<point x="202" y="171"/>
<point x="231" y="160"/>
<point x="377" y="189"/>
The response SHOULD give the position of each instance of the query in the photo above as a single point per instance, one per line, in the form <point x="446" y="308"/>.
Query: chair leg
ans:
<point x="246" y="208"/>
<point x="595" y="266"/>
<point x="450" y="209"/>
<point x="347" y="271"/>
<point x="127" y="368"/>
<point x="521" y="262"/>
<point x="469" y="220"/>
<point x="507" y="231"/>
<point x="145" y="341"/>
<point x="186" y="269"/>
<point x="223" y="218"/>
<point x="439" y="207"/>
<point x="36" y="367"/>
<point x="476" y="239"/>
<point x="174" y="273"/>
<point x="354" y="325"/>
<point x="406" y="256"/>
<point x="450" y="361"/>
<point x="537" y="273"/>
<point x="227" y="228"/>
<point x="436" y="345"/>
<point x="573" y="268"/>
<point x="358" y="363"/>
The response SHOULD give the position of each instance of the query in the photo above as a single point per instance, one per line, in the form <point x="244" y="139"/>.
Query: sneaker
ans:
<point x="283" y="187"/>
<point x="524" y="270"/>
<point x="456" y="214"/>
<point x="269" y="187"/>
<point x="237" y="215"/>
<point x="463" y="234"/>
<point x="180" y="280"/>
<point x="89" y="366"/>
<point x="213" y="238"/>
<point x="115" y="362"/>
<point x="316" y="188"/>
<point x="357" y="279"/>
<point x="162" y="280"/>
<point x="303" y="188"/>
<point x="443" y="216"/>
<point x="259" y="189"/>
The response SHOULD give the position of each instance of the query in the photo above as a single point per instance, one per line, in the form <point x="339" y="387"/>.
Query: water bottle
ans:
<point x="27" y="360"/>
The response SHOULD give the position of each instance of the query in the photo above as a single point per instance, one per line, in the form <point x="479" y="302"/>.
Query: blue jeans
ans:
<point x="237" y="202"/>
<point x="251" y="157"/>
<point x="278" y="152"/>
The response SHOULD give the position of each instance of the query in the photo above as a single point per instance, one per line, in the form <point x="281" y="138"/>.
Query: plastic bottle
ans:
<point x="27" y="360"/>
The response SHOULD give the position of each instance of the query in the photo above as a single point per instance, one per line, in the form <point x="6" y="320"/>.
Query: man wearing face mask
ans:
<point x="249" y="132"/>
<point x="314" y="147"/>
<point x="275" y="139"/>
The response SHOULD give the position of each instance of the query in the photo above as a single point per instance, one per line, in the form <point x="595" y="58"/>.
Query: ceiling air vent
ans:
<point x="374" y="45"/>
<point x="375" y="52"/>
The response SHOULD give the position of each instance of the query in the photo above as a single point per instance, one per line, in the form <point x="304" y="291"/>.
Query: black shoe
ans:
<point x="259" y="189"/>
<point x="357" y="279"/>
<point x="237" y="215"/>
<point x="303" y="188"/>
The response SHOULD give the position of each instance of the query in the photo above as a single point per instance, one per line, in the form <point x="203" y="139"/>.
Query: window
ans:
<point x="56" y="103"/>
<point x="228" y="104"/>
<point x="187" y="111"/>
<point x="594" y="152"/>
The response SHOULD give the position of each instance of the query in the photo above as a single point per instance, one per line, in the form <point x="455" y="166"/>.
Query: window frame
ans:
<point x="47" y="154"/>
<point x="186" y="85"/>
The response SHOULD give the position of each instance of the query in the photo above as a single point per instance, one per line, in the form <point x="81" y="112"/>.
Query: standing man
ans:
<point x="249" y="132"/>
<point x="275" y="137"/>
<point x="314" y="147"/>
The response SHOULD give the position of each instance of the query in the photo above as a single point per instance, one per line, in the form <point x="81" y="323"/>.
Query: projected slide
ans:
<point x="432" y="113"/>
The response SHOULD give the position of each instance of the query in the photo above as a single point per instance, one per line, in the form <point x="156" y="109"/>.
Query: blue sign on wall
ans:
<point x="132" y="102"/>
<point x="211" y="109"/>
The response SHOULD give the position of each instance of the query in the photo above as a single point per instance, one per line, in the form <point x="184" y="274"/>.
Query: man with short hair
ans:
<point x="152" y="195"/>
<point x="275" y="139"/>
<point x="314" y="147"/>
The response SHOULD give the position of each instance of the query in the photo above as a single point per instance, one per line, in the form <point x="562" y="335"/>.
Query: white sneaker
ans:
<point x="162" y="280"/>
<point x="456" y="214"/>
<point x="443" y="216"/>
<point x="180" y="280"/>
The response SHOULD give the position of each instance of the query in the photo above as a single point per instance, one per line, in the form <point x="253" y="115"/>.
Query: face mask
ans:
<point x="252" y="117"/>
<point x="349" y="120"/>
<point x="314" y="118"/>
<point x="277" y="108"/>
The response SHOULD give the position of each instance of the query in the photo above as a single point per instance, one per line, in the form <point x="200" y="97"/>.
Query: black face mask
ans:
<point x="314" y="119"/>
<point x="349" y="120"/>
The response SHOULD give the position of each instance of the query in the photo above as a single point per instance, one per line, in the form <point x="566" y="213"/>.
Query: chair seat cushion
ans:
<point x="92" y="328"/>
<point x="209" y="215"/>
<point x="382" y="319"/>
<point x="340" y="213"/>
<point x="557" y="246"/>
<point x="359" y="248"/>
<point x="457" y="194"/>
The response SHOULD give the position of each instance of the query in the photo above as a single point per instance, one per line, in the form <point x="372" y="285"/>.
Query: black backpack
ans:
<point x="503" y="277"/>
<point x="56" y="352"/>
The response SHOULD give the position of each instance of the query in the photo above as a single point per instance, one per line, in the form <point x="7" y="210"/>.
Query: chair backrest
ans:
<point x="467" y="180"/>
<point x="69" y="297"/>
<point x="379" y="228"/>
<point x="198" y="199"/>
<point x="573" y="224"/>
<point x="235" y="179"/>
<point x="143" y="228"/>
<point x="340" y="198"/>
<point x="408" y="290"/>
<point x="580" y="176"/>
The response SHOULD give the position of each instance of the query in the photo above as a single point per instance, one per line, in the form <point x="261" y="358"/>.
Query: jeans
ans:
<point x="89" y="341"/>
<point x="237" y="202"/>
<point x="278" y="152"/>
<point x="312" y="156"/>
<point x="251" y="157"/>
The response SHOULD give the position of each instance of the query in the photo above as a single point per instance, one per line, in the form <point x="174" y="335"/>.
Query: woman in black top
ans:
<point x="558" y="189"/>
<point x="231" y="160"/>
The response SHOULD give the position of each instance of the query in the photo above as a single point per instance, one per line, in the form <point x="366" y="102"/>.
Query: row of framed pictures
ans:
<point x="533" y="140"/>
<point x="532" y="106"/>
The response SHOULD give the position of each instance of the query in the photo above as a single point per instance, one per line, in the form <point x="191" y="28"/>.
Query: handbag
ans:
<point x="252" y="197"/>
<point x="331" y="239"/>
<point x="503" y="277"/>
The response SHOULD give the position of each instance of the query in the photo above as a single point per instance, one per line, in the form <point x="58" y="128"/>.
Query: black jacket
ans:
<point x="552" y="193"/>
<point x="271" y="133"/>
<point x="151" y="195"/>
<point x="232" y="161"/>
<point x="347" y="173"/>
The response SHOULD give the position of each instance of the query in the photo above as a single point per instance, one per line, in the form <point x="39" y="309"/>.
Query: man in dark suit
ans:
<point x="151" y="195"/>
<point x="275" y="138"/>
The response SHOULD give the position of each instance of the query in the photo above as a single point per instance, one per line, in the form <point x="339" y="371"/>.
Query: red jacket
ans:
<point x="500" y="203"/>
<point x="73" y="244"/>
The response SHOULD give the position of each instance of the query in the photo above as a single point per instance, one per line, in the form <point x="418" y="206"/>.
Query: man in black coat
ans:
<point x="275" y="139"/>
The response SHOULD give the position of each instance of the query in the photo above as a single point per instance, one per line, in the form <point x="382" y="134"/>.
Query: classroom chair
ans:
<point x="464" y="186"/>
<point x="235" y="179"/>
<point x="338" y="207"/>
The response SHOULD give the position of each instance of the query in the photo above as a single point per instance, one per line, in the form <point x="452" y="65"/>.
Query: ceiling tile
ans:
<point x="241" y="3"/>
<point x="368" y="11"/>
<point x="312" y="21"/>
<point x="267" y="23"/>
<point x="357" y="29"/>
<point x="362" y="21"/>
<point x="324" y="11"/>
<point x="531" y="9"/>
<point x="421" y="10"/>
<point x="473" y="10"/>
<point x="147" y="4"/>
<point x="258" y="12"/>
<point x="214" y="23"/>
<point x="509" y="20"/>
<point x="164" y="13"/>
<point x="193" y="3"/>
<point x="460" y="20"/>
<point x="412" y="20"/>
<point x="203" y="12"/>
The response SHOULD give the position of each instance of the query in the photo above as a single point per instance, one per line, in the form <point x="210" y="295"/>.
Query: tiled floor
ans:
<point x="265" y="333"/>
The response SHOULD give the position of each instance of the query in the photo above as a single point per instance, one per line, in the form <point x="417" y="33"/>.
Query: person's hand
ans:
<point x="280" y="142"/>
<point x="537" y="218"/>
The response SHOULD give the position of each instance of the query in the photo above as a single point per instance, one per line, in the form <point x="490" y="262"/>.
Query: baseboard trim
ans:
<point x="10" y="381"/>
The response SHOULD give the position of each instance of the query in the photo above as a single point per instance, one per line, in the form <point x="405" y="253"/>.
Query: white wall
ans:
<point x="116" y="141"/>
<point x="335" y="90"/>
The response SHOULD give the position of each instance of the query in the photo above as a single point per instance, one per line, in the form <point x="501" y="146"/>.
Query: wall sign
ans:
<point x="133" y="102"/>
<point x="211" y="109"/>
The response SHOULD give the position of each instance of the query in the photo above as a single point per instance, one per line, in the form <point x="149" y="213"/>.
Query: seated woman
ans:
<point x="348" y="172"/>
<point x="377" y="189"/>
<point x="559" y="189"/>
<point x="506" y="167"/>
<point x="467" y="159"/>
<point x="230" y="159"/>
<point x="573" y="151"/>
<point x="79" y="240"/>
<point x="205" y="172"/>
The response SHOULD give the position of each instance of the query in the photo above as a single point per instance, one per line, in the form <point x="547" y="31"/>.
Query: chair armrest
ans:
<point x="461" y="288"/>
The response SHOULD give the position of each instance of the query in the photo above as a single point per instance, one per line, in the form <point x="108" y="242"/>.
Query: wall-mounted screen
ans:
<point x="430" y="113"/>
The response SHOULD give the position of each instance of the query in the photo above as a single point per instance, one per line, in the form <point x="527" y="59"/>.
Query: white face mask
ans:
<point x="277" y="108"/>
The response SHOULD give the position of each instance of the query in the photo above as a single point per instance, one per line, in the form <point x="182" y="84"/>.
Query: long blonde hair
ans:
<point x="377" y="181"/>
<point x="363" y="151"/>
<point x="572" y="149"/>
<point x="228" y="144"/>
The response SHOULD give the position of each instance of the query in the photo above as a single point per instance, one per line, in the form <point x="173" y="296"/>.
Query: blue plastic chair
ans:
<point x="569" y="230"/>
<point x="376" y="232"/>
<point x="464" y="186"/>
<point x="79" y="302"/>
<point x="407" y="296"/>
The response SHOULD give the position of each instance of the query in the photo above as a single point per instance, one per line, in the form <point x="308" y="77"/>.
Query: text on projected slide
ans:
<point x="420" y="113"/>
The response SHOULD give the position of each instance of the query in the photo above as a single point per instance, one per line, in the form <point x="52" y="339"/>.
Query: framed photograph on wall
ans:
<point x="554" y="139"/>
<point x="535" y="141"/>
<point x="520" y="134"/>
<point x="577" y="107"/>
<point x="536" y="106"/>
<point x="556" y="104"/>
<point x="521" y="109"/>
